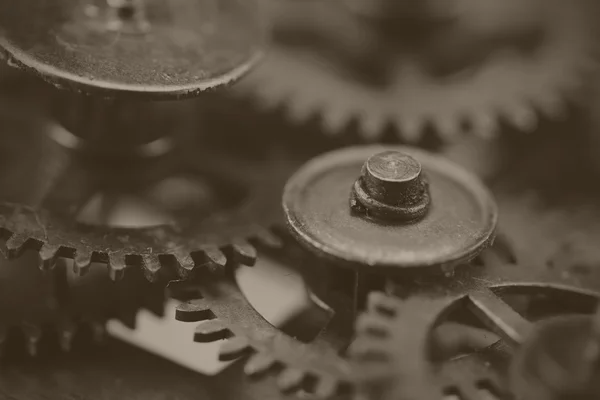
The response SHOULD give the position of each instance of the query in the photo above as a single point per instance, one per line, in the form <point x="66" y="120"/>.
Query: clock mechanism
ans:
<point x="424" y="171"/>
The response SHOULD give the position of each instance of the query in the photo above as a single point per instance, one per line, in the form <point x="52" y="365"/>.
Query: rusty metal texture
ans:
<point x="150" y="48"/>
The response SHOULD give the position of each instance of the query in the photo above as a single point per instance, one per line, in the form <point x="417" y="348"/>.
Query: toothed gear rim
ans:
<point x="394" y="337"/>
<point x="203" y="243"/>
<point x="56" y="304"/>
<point x="506" y="88"/>
<point x="224" y="313"/>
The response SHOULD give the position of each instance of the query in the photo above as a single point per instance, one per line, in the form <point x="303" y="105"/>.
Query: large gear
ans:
<point x="507" y="88"/>
<point x="60" y="184"/>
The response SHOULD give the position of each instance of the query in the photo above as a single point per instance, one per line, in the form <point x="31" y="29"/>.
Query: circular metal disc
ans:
<point x="183" y="47"/>
<point x="460" y="223"/>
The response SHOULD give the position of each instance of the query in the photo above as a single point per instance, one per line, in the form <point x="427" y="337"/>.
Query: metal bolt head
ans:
<point x="392" y="187"/>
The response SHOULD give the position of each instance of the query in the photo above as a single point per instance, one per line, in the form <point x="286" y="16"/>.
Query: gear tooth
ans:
<point x="215" y="256"/>
<point x="185" y="264"/>
<point x="447" y="127"/>
<point x="244" y="253"/>
<point x="66" y="333"/>
<point x="15" y="245"/>
<point x="484" y="125"/>
<point x="326" y="387"/>
<point x="334" y="121"/>
<point x="33" y="334"/>
<point x="194" y="311"/>
<point x="151" y="266"/>
<point x="210" y="331"/>
<point x="411" y="130"/>
<point x="368" y="324"/>
<point x="116" y="266"/>
<point x="382" y="303"/>
<point x="82" y="261"/>
<point x="234" y="348"/>
<point x="48" y="255"/>
<point x="98" y="331"/>
<point x="259" y="363"/>
<point x="372" y="128"/>
<point x="291" y="379"/>
<point x="269" y="239"/>
<point x="523" y="118"/>
<point x="369" y="350"/>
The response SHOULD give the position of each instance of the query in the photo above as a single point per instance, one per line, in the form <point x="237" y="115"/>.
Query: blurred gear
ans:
<point x="506" y="88"/>
<point x="49" y="188"/>
<point x="555" y="368"/>
<point x="147" y="48"/>
<point x="536" y="263"/>
<point x="395" y="336"/>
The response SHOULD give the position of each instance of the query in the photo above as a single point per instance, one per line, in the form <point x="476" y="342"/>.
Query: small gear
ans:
<point x="512" y="88"/>
<point x="224" y="313"/>
<point x="395" y="335"/>
<point x="40" y="212"/>
<point x="543" y="254"/>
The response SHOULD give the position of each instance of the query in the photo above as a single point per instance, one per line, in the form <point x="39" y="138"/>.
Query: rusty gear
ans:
<point x="58" y="302"/>
<point x="507" y="88"/>
<point x="224" y="313"/>
<point x="57" y="184"/>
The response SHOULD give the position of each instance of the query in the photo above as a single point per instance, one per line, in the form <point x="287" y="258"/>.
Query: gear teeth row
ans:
<point x="211" y="329"/>
<point x="183" y="263"/>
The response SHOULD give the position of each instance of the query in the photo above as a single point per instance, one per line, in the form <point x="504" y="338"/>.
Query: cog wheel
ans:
<point x="91" y="300"/>
<point x="550" y="254"/>
<point x="58" y="303"/>
<point x="224" y="313"/>
<point x="513" y="89"/>
<point x="40" y="212"/>
<point x="398" y="334"/>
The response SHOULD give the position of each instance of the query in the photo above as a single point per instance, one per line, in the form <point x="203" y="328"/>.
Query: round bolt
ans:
<point x="391" y="186"/>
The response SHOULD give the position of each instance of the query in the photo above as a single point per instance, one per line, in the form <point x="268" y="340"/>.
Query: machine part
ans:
<point x="57" y="304"/>
<point x="27" y="302"/>
<point x="513" y="89"/>
<point x="224" y="313"/>
<point x="395" y="336"/>
<point x="559" y="361"/>
<point x="146" y="48"/>
<point x="93" y="299"/>
<point x="359" y="232"/>
<point x="544" y="255"/>
<point x="49" y="185"/>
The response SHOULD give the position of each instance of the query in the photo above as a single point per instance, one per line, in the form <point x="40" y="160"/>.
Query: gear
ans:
<point x="224" y="313"/>
<point x="508" y="87"/>
<point x="40" y="302"/>
<point x="398" y="334"/>
<point x="481" y="287"/>
<point x="40" y="212"/>
<point x="27" y="302"/>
